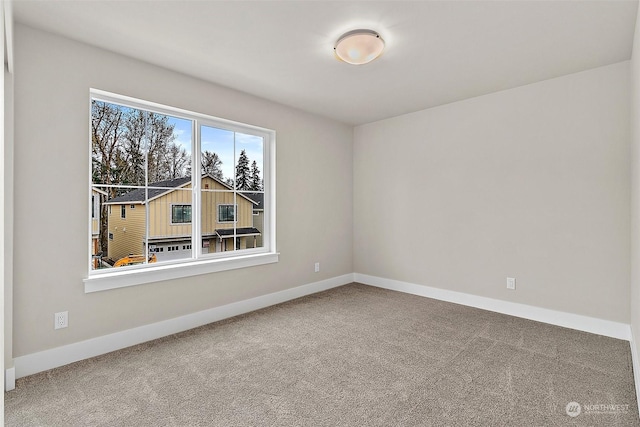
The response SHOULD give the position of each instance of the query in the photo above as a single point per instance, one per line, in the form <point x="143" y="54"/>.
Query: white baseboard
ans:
<point x="48" y="359"/>
<point x="635" y="362"/>
<point x="568" y="320"/>
<point x="37" y="362"/>
<point x="10" y="379"/>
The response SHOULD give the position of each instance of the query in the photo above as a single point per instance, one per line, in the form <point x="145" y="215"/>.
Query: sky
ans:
<point x="221" y="142"/>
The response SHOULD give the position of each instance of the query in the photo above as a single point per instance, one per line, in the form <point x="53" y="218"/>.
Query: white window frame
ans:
<point x="199" y="263"/>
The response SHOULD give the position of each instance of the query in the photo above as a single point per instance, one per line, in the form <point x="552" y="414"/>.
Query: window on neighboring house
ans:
<point x="180" y="214"/>
<point x="186" y="168"/>
<point x="93" y="206"/>
<point x="226" y="213"/>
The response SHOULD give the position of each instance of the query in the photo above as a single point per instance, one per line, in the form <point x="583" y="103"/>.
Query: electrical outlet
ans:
<point x="317" y="268"/>
<point x="61" y="320"/>
<point x="511" y="283"/>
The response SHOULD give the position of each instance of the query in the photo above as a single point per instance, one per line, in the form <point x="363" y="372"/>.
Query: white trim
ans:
<point x="194" y="265"/>
<point x="635" y="363"/>
<point x="10" y="379"/>
<point x="48" y="359"/>
<point x="559" y="318"/>
<point x="110" y="279"/>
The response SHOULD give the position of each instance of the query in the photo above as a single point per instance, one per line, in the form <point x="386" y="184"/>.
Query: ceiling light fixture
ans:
<point x="359" y="47"/>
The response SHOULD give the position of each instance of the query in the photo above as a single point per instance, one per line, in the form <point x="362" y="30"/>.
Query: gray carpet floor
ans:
<point x="351" y="356"/>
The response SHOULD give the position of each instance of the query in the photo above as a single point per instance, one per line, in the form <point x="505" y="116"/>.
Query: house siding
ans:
<point x="128" y="233"/>
<point x="258" y="222"/>
<point x="160" y="214"/>
<point x="161" y="227"/>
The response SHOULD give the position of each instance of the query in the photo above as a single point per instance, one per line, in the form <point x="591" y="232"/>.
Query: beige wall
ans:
<point x="635" y="188"/>
<point x="531" y="182"/>
<point x="52" y="82"/>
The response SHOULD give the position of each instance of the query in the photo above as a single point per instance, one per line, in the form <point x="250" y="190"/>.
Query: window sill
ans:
<point x="121" y="279"/>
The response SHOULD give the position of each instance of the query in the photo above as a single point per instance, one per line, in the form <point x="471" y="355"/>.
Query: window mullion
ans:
<point x="235" y="192"/>
<point x="196" y="197"/>
<point x="146" y="204"/>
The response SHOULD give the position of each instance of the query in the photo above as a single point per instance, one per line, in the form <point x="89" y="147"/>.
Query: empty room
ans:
<point x="320" y="213"/>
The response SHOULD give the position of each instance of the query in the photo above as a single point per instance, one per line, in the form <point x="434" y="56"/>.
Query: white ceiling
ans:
<point x="437" y="51"/>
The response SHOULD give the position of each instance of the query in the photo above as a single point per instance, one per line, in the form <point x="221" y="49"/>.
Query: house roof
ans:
<point x="258" y="198"/>
<point x="164" y="187"/>
<point x="225" y="232"/>
<point x="138" y="195"/>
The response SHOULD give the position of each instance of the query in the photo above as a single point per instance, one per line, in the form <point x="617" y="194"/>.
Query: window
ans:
<point x="180" y="214"/>
<point x="93" y="207"/>
<point x="196" y="181"/>
<point x="226" y="213"/>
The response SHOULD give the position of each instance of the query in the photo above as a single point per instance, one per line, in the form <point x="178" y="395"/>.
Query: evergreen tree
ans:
<point x="243" y="176"/>
<point x="256" y="182"/>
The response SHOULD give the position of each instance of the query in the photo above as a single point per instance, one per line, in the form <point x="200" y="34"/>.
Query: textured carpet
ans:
<point x="351" y="356"/>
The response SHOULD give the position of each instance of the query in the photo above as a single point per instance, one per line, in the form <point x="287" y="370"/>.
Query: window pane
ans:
<point x="254" y="227"/>
<point x="250" y="182"/>
<point x="218" y="218"/>
<point x="170" y="225"/>
<point x="180" y="214"/>
<point x="226" y="213"/>
<point x="143" y="159"/>
<point x="249" y="162"/>
<point x="217" y="154"/>
<point x="142" y="201"/>
<point x="132" y="147"/>
<point x="99" y="233"/>
<point x="117" y="242"/>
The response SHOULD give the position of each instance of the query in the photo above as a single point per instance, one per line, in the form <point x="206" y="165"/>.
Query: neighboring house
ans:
<point x="258" y="214"/>
<point x="170" y="217"/>
<point x="97" y="198"/>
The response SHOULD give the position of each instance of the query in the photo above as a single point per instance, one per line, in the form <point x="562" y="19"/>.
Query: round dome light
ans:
<point x="359" y="47"/>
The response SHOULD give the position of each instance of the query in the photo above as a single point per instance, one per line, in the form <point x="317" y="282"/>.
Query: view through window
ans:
<point x="169" y="185"/>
